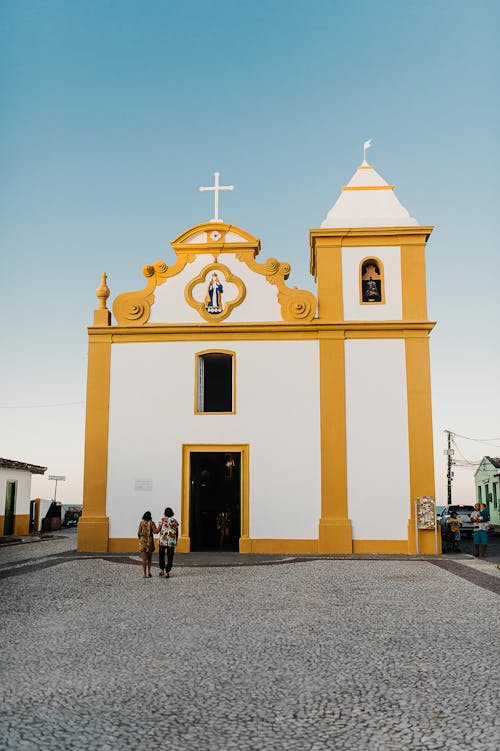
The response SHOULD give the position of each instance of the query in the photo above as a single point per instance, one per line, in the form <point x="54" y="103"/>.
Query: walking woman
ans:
<point x="147" y="528"/>
<point x="168" y="528"/>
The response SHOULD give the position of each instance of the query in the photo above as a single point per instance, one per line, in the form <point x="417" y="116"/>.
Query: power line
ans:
<point x="38" y="406"/>
<point x="479" y="440"/>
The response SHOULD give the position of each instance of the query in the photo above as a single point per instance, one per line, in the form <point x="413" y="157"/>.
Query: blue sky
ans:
<point x="114" y="112"/>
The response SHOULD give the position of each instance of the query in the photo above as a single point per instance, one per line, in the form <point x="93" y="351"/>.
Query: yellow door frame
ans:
<point x="184" y="544"/>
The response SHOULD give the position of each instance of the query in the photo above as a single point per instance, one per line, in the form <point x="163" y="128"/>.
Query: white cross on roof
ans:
<point x="216" y="188"/>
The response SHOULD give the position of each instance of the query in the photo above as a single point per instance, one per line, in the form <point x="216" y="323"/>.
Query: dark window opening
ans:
<point x="215" y="389"/>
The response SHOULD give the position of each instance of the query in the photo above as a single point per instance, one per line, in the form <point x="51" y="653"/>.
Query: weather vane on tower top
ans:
<point x="216" y="188"/>
<point x="366" y="145"/>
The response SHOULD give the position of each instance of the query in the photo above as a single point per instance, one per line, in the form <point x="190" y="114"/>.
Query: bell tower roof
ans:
<point x="368" y="201"/>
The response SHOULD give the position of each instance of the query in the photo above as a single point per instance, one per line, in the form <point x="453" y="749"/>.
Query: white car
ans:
<point x="463" y="513"/>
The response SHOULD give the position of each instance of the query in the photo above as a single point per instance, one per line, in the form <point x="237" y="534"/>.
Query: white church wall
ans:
<point x="392" y="309"/>
<point x="277" y="413"/>
<point x="378" y="477"/>
<point x="260" y="303"/>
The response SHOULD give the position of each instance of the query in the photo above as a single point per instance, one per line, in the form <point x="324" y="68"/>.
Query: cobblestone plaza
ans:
<point x="291" y="654"/>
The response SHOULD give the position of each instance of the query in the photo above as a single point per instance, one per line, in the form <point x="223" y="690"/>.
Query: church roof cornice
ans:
<point x="371" y="231"/>
<point x="313" y="329"/>
<point x="360" y="236"/>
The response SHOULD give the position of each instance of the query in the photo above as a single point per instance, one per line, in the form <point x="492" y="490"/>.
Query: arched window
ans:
<point x="215" y="382"/>
<point x="371" y="281"/>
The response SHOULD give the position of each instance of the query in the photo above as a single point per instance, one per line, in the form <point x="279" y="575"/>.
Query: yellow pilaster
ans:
<point x="421" y="453"/>
<point x="93" y="527"/>
<point x="413" y="280"/>
<point x="326" y="265"/>
<point x="335" y="534"/>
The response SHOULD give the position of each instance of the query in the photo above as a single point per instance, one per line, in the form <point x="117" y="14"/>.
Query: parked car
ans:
<point x="463" y="513"/>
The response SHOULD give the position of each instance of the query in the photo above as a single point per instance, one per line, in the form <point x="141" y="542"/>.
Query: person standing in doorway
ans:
<point x="147" y="528"/>
<point x="168" y="529"/>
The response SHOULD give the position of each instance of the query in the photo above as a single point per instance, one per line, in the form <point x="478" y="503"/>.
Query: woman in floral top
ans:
<point x="147" y="528"/>
<point x="168" y="528"/>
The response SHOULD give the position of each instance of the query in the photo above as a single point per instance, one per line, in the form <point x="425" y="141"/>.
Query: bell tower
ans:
<point x="368" y="258"/>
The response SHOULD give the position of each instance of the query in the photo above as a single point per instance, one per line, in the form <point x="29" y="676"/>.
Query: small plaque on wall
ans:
<point x="143" y="483"/>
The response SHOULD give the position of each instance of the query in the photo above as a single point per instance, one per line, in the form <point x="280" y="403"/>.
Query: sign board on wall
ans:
<point x="143" y="483"/>
<point x="426" y="512"/>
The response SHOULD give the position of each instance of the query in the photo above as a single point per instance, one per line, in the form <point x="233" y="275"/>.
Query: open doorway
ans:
<point x="10" y="507"/>
<point x="215" y="500"/>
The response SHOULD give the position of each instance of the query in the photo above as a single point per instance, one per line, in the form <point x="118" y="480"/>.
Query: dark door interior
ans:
<point x="215" y="502"/>
<point x="10" y="505"/>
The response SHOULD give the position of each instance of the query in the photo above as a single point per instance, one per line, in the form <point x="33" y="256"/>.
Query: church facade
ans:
<point x="271" y="419"/>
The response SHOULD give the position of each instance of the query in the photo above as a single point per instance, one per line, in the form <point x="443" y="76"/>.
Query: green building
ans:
<point x="487" y="478"/>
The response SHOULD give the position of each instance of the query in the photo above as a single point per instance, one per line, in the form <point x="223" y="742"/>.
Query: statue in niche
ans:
<point x="213" y="298"/>
<point x="371" y="282"/>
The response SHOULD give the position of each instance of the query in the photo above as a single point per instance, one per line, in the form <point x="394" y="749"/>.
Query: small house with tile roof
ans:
<point x="15" y="489"/>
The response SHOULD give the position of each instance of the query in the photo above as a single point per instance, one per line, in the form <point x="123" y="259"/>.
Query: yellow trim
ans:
<point x="134" y="308"/>
<point x="250" y="242"/>
<point x="421" y="455"/>
<point x="327" y="272"/>
<point x="21" y="524"/>
<point x="413" y="281"/>
<point x="262" y="332"/>
<point x="296" y="304"/>
<point x="184" y="544"/>
<point x="196" y="379"/>
<point x="365" y="166"/>
<point x="202" y="278"/>
<point x="368" y="187"/>
<point x="372" y="233"/>
<point x="335" y="534"/>
<point x="380" y="546"/>
<point x="382" y="280"/>
<point x="280" y="546"/>
<point x="324" y="238"/>
<point x="93" y="527"/>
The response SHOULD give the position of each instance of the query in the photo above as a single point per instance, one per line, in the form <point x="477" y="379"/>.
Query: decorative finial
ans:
<point x="216" y="188"/>
<point x="366" y="145"/>
<point x="102" y="316"/>
<point x="102" y="292"/>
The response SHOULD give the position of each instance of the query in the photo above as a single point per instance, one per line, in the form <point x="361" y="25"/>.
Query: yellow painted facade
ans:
<point x="304" y="317"/>
<point x="21" y="524"/>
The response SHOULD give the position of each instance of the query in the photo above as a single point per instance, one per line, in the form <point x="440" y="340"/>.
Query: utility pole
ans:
<point x="449" y="452"/>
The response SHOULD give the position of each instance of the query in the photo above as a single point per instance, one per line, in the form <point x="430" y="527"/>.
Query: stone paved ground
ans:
<point x="316" y="655"/>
